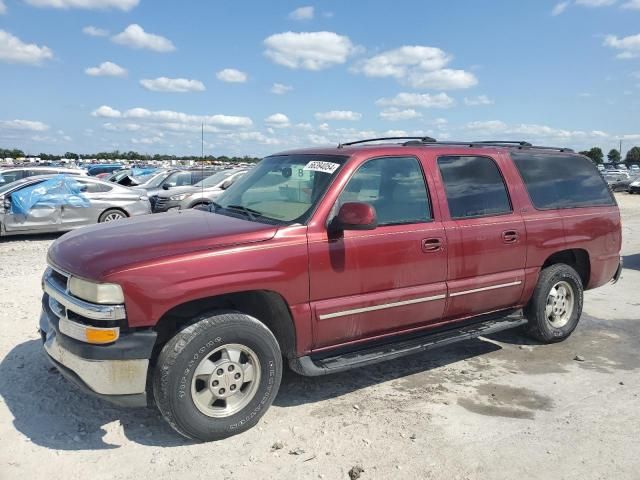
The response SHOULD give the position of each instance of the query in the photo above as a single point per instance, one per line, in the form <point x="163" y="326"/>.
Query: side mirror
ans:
<point x="84" y="188"/>
<point x="165" y="186"/>
<point x="356" y="216"/>
<point x="226" y="184"/>
<point x="6" y="203"/>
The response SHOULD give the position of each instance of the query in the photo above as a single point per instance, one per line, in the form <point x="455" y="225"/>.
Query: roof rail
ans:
<point x="422" y="140"/>
<point x="411" y="141"/>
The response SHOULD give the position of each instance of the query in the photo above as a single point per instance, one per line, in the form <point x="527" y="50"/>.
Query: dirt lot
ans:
<point x="502" y="407"/>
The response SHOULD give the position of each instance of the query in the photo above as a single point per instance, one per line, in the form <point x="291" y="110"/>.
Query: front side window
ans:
<point x="281" y="189"/>
<point x="394" y="186"/>
<point x="474" y="187"/>
<point x="563" y="181"/>
<point x="179" y="179"/>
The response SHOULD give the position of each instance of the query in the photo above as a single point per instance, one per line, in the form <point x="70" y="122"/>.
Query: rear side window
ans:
<point x="474" y="187"/>
<point x="562" y="181"/>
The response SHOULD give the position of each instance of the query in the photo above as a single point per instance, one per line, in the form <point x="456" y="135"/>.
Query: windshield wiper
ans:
<point x="251" y="213"/>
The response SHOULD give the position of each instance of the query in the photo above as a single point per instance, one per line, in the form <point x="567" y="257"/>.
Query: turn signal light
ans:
<point x="99" y="335"/>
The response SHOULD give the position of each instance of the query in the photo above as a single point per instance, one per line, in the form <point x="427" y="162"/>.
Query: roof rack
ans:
<point x="411" y="141"/>
<point x="422" y="140"/>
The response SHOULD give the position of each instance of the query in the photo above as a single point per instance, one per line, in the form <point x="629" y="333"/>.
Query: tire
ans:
<point x="551" y="323"/>
<point x="111" y="215"/>
<point x="185" y="399"/>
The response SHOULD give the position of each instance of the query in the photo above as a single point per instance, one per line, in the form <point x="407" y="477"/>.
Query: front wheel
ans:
<point x="218" y="376"/>
<point x="111" y="216"/>
<point x="556" y="305"/>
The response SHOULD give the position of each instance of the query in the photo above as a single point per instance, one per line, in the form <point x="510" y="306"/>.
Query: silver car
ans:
<point x="13" y="174"/>
<point x="102" y="202"/>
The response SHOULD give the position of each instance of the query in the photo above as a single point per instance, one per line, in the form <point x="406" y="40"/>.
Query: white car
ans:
<point x="10" y="175"/>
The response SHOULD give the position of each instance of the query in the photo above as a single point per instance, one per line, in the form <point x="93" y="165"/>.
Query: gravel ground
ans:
<point x="501" y="407"/>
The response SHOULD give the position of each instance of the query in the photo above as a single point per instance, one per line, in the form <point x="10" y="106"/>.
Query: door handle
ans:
<point x="431" y="245"/>
<point x="510" y="236"/>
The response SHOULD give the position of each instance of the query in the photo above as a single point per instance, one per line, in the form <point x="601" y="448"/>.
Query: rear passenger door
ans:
<point x="486" y="237"/>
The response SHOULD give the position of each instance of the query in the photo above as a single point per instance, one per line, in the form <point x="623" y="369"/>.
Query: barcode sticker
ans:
<point x="326" y="167"/>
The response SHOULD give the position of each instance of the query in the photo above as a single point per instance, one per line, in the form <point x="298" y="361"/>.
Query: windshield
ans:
<point x="283" y="189"/>
<point x="214" y="179"/>
<point x="155" y="181"/>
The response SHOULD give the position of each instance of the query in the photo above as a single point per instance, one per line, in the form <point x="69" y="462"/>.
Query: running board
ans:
<point x="314" y="367"/>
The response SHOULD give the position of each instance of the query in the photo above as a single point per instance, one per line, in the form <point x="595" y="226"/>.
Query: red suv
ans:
<point x="330" y="259"/>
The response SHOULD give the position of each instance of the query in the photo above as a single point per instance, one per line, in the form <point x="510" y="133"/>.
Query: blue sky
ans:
<point x="93" y="75"/>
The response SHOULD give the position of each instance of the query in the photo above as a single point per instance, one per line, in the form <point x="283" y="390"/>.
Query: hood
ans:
<point x="97" y="251"/>
<point x="175" y="191"/>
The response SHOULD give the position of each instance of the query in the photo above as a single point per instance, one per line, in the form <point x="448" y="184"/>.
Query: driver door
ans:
<point x="365" y="284"/>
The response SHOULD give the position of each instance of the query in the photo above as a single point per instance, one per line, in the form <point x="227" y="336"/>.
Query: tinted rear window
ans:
<point x="562" y="181"/>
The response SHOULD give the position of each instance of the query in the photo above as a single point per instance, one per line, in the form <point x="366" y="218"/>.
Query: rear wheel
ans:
<point x="218" y="376"/>
<point x="556" y="305"/>
<point x="111" y="216"/>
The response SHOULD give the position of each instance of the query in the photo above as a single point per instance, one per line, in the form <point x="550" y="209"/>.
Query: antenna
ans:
<point x="202" y="161"/>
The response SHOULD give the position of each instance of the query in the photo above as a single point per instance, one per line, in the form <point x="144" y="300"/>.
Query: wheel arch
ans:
<point x="267" y="306"/>
<point x="577" y="258"/>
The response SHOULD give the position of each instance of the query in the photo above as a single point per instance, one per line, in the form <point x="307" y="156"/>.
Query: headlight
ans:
<point x="635" y="184"/>
<point x="103" y="293"/>
<point x="179" y="196"/>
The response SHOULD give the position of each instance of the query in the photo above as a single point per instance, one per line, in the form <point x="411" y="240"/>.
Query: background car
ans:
<point x="106" y="202"/>
<point x="9" y="175"/>
<point x="202" y="193"/>
<point x="96" y="169"/>
<point x="169" y="179"/>
<point x="623" y="185"/>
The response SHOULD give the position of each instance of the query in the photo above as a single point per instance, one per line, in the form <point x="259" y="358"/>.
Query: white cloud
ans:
<point x="128" y="127"/>
<point x="134" y="36"/>
<point x="95" y="31"/>
<point x="445" y="79"/>
<point x="174" y="85"/>
<point x="14" y="50"/>
<point x="417" y="100"/>
<point x="106" y="112"/>
<point x="595" y="3"/>
<point x="169" y="116"/>
<point x="560" y="8"/>
<point x="125" y="5"/>
<point x="338" y="115"/>
<point x="401" y="61"/>
<point x="302" y="13"/>
<point x="148" y="140"/>
<point x="280" y="88"/>
<point x="629" y="46"/>
<point x="632" y="5"/>
<point x="106" y="69"/>
<point x="231" y="75"/>
<point x="277" y="120"/>
<point x="477" y="101"/>
<point x="24" y="125"/>
<point x="395" y="114"/>
<point x="3" y="7"/>
<point x="417" y="66"/>
<point x="309" y="50"/>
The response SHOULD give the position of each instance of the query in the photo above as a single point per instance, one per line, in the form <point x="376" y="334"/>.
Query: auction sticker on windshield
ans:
<point x="317" y="166"/>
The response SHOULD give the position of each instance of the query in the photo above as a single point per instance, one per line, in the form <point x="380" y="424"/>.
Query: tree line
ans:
<point x="118" y="155"/>
<point x="597" y="155"/>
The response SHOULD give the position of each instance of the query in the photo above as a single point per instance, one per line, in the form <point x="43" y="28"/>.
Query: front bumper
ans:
<point x="164" y="204"/>
<point x="117" y="371"/>
<point x="633" y="189"/>
<point x="141" y="207"/>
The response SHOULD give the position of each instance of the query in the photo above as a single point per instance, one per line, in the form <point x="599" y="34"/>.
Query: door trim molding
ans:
<point x="484" y="289"/>
<point x="383" y="306"/>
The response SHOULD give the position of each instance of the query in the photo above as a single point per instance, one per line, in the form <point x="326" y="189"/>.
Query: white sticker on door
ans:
<point x="326" y="167"/>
